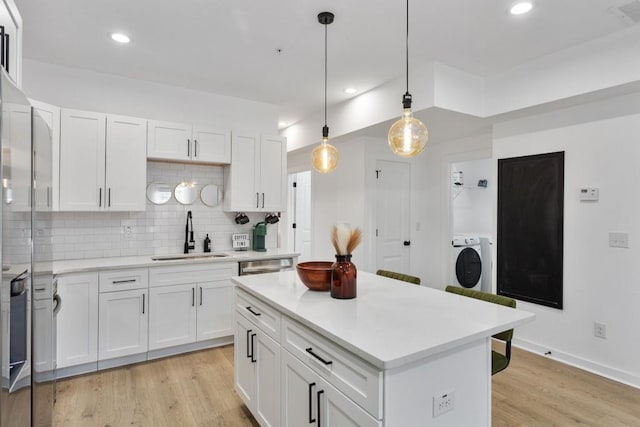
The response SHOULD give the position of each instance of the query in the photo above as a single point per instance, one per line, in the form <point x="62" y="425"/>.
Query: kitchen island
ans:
<point x="397" y="355"/>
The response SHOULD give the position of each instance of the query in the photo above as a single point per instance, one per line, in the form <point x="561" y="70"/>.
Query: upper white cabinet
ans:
<point x="255" y="181"/>
<point x="11" y="47"/>
<point x="102" y="162"/>
<point x="46" y="127"/>
<point x="183" y="142"/>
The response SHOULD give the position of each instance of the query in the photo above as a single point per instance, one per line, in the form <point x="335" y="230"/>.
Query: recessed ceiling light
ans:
<point x="120" y="38"/>
<point x="521" y="8"/>
<point x="350" y="90"/>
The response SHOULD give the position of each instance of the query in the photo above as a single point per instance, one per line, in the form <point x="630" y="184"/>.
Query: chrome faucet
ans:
<point x="189" y="243"/>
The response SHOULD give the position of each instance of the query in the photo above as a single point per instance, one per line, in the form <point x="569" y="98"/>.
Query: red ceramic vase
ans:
<point x="343" y="278"/>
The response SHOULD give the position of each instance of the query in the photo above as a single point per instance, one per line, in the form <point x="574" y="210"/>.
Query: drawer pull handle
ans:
<point x="310" y="351"/>
<point x="248" y="352"/>
<point x="311" y="419"/>
<point x="40" y="289"/>
<point x="253" y="352"/>
<point x="118" y="282"/>
<point x="319" y="412"/>
<point x="253" y="312"/>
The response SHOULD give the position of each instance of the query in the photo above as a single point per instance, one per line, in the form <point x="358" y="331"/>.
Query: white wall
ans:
<point x="600" y="283"/>
<point x="88" y="90"/>
<point x="472" y="206"/>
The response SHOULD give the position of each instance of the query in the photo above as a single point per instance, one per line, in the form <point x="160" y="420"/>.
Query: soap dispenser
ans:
<point x="207" y="244"/>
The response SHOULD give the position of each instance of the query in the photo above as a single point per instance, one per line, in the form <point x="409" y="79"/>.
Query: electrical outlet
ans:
<point x="127" y="231"/>
<point x="600" y="330"/>
<point x="443" y="403"/>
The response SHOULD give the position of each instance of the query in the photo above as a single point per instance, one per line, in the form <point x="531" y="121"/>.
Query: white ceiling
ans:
<point x="229" y="46"/>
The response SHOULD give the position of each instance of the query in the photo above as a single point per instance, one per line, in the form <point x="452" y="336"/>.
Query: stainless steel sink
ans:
<point x="188" y="256"/>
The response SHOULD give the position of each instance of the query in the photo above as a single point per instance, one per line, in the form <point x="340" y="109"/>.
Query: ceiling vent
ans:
<point x="628" y="13"/>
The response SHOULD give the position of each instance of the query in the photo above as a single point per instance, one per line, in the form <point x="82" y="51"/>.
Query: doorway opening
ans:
<point x="299" y="218"/>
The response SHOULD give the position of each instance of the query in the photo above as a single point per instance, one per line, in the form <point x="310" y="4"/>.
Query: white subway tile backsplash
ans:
<point x="157" y="231"/>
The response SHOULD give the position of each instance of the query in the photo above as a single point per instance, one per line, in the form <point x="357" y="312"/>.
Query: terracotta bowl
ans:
<point x="316" y="275"/>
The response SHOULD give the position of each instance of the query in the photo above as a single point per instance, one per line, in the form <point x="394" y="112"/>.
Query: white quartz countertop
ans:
<point x="390" y="323"/>
<point x="94" y="264"/>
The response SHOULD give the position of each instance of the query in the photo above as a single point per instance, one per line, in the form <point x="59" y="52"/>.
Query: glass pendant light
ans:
<point x="408" y="136"/>
<point x="325" y="156"/>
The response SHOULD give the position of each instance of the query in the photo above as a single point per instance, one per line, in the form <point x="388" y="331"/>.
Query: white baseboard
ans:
<point x="581" y="363"/>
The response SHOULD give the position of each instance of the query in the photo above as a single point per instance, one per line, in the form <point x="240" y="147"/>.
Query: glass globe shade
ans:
<point x="325" y="158"/>
<point x="408" y="136"/>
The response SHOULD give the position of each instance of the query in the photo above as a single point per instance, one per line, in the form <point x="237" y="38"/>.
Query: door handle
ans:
<point x="263" y="200"/>
<point x="407" y="242"/>
<point x="257" y="200"/>
<point x="200" y="295"/>
<point x="248" y="353"/>
<point x="143" y="301"/>
<point x="109" y="197"/>
<point x="188" y="148"/>
<point x="253" y="353"/>
<point x="193" y="297"/>
<point x="318" y="396"/>
<point x="311" y="419"/>
<point x="195" y="148"/>
<point x="100" y="197"/>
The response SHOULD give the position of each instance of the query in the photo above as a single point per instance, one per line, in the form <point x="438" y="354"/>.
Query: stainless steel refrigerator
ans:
<point x="28" y="299"/>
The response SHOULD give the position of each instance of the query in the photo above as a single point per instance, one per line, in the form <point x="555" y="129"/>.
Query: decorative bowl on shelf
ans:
<point x="316" y="275"/>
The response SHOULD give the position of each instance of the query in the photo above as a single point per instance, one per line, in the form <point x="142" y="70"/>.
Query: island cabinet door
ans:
<point x="308" y="399"/>
<point x="245" y="367"/>
<point x="267" y="399"/>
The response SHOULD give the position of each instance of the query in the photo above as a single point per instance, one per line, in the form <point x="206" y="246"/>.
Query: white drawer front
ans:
<point x="123" y="280"/>
<point x="259" y="313"/>
<point x="351" y="375"/>
<point x="195" y="273"/>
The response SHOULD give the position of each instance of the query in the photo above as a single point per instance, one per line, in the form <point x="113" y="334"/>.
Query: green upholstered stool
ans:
<point x="499" y="361"/>
<point x="399" y="276"/>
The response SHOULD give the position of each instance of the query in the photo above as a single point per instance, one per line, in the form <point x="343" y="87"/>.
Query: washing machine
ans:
<point x="466" y="262"/>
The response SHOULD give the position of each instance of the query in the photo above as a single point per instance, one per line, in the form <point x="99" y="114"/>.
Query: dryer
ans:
<point x="466" y="262"/>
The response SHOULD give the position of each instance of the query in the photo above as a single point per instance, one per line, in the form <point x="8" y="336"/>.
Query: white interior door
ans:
<point x="302" y="215"/>
<point x="393" y="201"/>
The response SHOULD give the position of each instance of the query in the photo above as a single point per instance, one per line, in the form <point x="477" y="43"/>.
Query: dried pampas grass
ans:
<point x="345" y="239"/>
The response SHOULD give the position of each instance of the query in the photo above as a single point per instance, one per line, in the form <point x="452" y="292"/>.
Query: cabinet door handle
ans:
<point x="263" y="200"/>
<point x="109" y="197"/>
<point x="248" y="352"/>
<point x="255" y="313"/>
<point x="311" y="419"/>
<point x="310" y="351"/>
<point x="48" y="197"/>
<point x="253" y="350"/>
<point x="143" y="301"/>
<point x="195" y="148"/>
<point x="318" y="396"/>
<point x="188" y="148"/>
<point x="257" y="200"/>
<point x="193" y="297"/>
<point x="117" y="282"/>
<point x="200" y="295"/>
<point x="100" y="197"/>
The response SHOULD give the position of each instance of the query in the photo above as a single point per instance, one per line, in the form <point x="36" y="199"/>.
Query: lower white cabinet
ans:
<point x="190" y="303"/>
<point x="123" y="323"/>
<point x="257" y="365"/>
<point x="173" y="315"/>
<point x="77" y="321"/>
<point x="309" y="399"/>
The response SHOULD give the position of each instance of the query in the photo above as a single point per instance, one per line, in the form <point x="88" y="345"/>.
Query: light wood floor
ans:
<point x="196" y="390"/>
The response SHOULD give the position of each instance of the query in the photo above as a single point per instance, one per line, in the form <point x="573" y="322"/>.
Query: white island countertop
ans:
<point x="390" y="323"/>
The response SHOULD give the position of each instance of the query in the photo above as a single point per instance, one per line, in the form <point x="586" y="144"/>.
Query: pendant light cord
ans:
<point x="407" y="46"/>
<point x="325" y="74"/>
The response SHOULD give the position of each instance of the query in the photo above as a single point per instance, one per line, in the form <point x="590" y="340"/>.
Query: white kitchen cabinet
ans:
<point x="102" y="162"/>
<point x="257" y="362"/>
<point x="186" y="143"/>
<point x="123" y="323"/>
<point x="11" y="52"/>
<point x="190" y="303"/>
<point x="77" y="321"/>
<point x="255" y="180"/>
<point x="47" y="125"/>
<point x="172" y="315"/>
<point x="309" y="399"/>
<point x="215" y="310"/>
